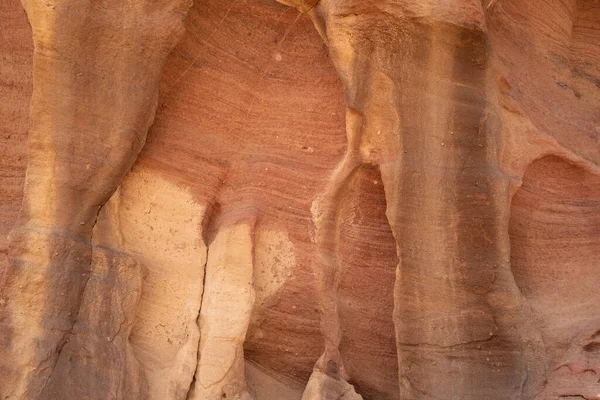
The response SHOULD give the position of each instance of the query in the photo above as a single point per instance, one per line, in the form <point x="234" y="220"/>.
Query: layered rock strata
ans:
<point x="336" y="200"/>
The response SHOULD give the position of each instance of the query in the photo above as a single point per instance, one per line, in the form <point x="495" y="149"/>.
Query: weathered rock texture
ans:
<point x="334" y="199"/>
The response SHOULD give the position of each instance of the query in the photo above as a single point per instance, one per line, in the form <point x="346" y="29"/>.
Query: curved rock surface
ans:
<point x="304" y="200"/>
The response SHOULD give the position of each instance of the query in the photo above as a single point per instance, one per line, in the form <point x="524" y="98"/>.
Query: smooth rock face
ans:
<point x="334" y="199"/>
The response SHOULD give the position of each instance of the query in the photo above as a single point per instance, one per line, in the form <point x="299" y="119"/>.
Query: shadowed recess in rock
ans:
<point x="555" y="237"/>
<point x="367" y="272"/>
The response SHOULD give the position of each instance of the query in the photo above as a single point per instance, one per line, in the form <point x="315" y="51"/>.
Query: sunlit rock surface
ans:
<point x="334" y="199"/>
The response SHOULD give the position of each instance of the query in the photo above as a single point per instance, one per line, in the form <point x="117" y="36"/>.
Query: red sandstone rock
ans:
<point x="336" y="200"/>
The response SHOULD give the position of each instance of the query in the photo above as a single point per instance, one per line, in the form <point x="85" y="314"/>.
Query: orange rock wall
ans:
<point x="335" y="200"/>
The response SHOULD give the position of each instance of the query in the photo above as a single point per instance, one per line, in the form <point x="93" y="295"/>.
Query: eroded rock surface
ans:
<point x="334" y="199"/>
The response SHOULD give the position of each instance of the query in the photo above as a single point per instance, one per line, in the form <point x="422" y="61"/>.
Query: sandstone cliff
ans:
<point x="334" y="199"/>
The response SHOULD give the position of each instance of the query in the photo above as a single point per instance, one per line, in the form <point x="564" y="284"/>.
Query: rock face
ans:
<point x="334" y="199"/>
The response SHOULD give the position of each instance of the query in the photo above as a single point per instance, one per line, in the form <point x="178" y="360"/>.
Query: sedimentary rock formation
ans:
<point x="334" y="199"/>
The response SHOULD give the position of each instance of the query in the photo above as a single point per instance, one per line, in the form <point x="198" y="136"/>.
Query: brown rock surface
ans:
<point x="342" y="199"/>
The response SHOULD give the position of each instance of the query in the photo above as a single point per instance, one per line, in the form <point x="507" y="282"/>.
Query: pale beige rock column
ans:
<point x="225" y="314"/>
<point x="159" y="223"/>
<point x="96" y="70"/>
